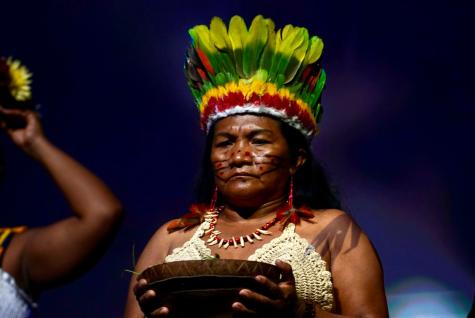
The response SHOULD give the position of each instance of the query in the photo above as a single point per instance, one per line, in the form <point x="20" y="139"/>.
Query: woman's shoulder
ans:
<point x="331" y="222"/>
<point x="331" y="215"/>
<point x="172" y="231"/>
<point x="158" y="246"/>
<point x="167" y="230"/>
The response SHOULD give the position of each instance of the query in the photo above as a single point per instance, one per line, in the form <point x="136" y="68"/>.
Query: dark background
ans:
<point x="396" y="137"/>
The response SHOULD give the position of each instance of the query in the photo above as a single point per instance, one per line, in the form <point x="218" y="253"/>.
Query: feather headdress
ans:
<point x="15" y="81"/>
<point x="236" y="70"/>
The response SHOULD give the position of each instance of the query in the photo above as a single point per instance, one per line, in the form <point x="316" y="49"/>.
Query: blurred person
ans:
<point x="35" y="259"/>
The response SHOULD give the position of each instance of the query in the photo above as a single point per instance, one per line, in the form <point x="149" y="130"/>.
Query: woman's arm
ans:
<point x="61" y="251"/>
<point x="357" y="274"/>
<point x="154" y="253"/>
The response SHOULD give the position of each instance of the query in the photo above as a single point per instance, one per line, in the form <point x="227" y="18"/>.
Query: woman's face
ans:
<point x="251" y="160"/>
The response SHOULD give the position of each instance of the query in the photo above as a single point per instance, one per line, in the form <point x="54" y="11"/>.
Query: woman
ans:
<point x="36" y="259"/>
<point x="258" y="92"/>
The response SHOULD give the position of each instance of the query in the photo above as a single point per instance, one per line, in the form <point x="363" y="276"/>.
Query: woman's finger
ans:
<point x="160" y="312"/>
<point x="254" y="299"/>
<point x="147" y="298"/>
<point x="242" y="310"/>
<point x="273" y="288"/>
<point x="287" y="274"/>
<point x="140" y="287"/>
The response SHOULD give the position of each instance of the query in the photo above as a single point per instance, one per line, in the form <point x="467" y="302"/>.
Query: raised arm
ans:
<point x="51" y="255"/>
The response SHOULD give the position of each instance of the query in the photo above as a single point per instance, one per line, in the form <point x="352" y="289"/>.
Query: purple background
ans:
<point x="396" y="137"/>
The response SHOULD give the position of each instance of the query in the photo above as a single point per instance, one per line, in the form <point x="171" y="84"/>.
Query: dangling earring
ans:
<point x="290" y="200"/>
<point x="291" y="214"/>
<point x="214" y="199"/>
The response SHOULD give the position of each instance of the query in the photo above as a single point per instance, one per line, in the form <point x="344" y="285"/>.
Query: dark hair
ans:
<point x="311" y="185"/>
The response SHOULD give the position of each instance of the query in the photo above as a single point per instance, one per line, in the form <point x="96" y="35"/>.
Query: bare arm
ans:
<point x="154" y="253"/>
<point x="61" y="251"/>
<point x="356" y="272"/>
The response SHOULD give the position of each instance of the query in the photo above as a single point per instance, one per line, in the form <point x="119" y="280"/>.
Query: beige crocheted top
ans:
<point x="312" y="280"/>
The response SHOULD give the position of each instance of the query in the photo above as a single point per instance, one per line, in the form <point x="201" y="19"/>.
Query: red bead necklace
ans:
<point x="211" y="218"/>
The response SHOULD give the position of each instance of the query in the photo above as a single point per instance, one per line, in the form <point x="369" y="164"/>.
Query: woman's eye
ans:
<point x="224" y="143"/>
<point x="259" y="141"/>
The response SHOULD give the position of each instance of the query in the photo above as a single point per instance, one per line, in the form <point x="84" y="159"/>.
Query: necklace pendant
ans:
<point x="241" y="241"/>
<point x="220" y="243"/>
<point x="211" y="238"/>
<point x="235" y="243"/>
<point x="257" y="237"/>
<point x="249" y="239"/>
<point x="213" y="242"/>
<point x="264" y="232"/>
<point x="226" y="245"/>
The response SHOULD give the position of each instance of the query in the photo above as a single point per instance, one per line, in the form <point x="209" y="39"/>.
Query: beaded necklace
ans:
<point x="209" y="225"/>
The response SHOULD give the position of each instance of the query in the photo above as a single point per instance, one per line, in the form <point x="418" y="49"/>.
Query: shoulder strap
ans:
<point x="290" y="228"/>
<point x="6" y="235"/>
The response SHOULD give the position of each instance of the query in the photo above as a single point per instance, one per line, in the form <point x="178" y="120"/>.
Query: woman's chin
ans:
<point x="242" y="193"/>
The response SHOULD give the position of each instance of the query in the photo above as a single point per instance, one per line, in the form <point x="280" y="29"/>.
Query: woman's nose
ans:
<point x="241" y="155"/>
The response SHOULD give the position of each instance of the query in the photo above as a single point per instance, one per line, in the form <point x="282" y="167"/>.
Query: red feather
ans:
<point x="293" y="215"/>
<point x="188" y="220"/>
<point x="202" y="74"/>
<point x="204" y="59"/>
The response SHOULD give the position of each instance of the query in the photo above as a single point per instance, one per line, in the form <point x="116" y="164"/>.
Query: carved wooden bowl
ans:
<point x="205" y="288"/>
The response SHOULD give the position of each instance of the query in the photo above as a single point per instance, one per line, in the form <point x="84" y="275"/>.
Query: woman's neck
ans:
<point x="234" y="213"/>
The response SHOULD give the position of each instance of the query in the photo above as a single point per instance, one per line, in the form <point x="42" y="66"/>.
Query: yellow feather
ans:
<point x="237" y="32"/>
<point x="219" y="34"/>
<point x="254" y="45"/>
<point x="315" y="50"/>
<point x="257" y="31"/>
<point x="204" y="38"/>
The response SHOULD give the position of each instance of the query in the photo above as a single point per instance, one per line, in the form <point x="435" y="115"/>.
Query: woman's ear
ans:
<point x="299" y="161"/>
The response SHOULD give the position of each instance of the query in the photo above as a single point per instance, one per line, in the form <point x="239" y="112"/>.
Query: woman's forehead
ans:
<point x="247" y="122"/>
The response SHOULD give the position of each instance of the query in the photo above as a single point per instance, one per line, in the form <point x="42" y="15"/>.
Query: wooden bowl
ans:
<point x="205" y="288"/>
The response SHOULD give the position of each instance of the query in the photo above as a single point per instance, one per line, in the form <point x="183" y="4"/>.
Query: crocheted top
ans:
<point x="14" y="303"/>
<point x="312" y="280"/>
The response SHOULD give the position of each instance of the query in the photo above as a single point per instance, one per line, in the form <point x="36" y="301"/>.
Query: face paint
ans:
<point x="250" y="159"/>
<point x="258" y="166"/>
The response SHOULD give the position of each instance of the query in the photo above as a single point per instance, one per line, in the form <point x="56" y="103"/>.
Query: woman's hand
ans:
<point x="281" y="301"/>
<point x="22" y="126"/>
<point x="147" y="300"/>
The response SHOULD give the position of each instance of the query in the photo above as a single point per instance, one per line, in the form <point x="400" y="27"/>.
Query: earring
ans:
<point x="290" y="201"/>
<point x="214" y="199"/>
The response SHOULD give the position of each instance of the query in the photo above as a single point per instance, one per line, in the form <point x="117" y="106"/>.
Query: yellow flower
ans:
<point x="20" y="80"/>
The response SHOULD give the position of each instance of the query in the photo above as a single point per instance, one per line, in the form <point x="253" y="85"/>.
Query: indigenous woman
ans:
<point x="35" y="259"/>
<point x="258" y="91"/>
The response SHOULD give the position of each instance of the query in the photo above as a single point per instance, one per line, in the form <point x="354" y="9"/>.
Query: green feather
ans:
<point x="314" y="51"/>
<point x="220" y="39"/>
<point x="318" y="88"/>
<point x="269" y="50"/>
<point x="260" y="75"/>
<point x="292" y="39"/>
<point x="237" y="35"/>
<point x="298" y="56"/>
<point x="254" y="44"/>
